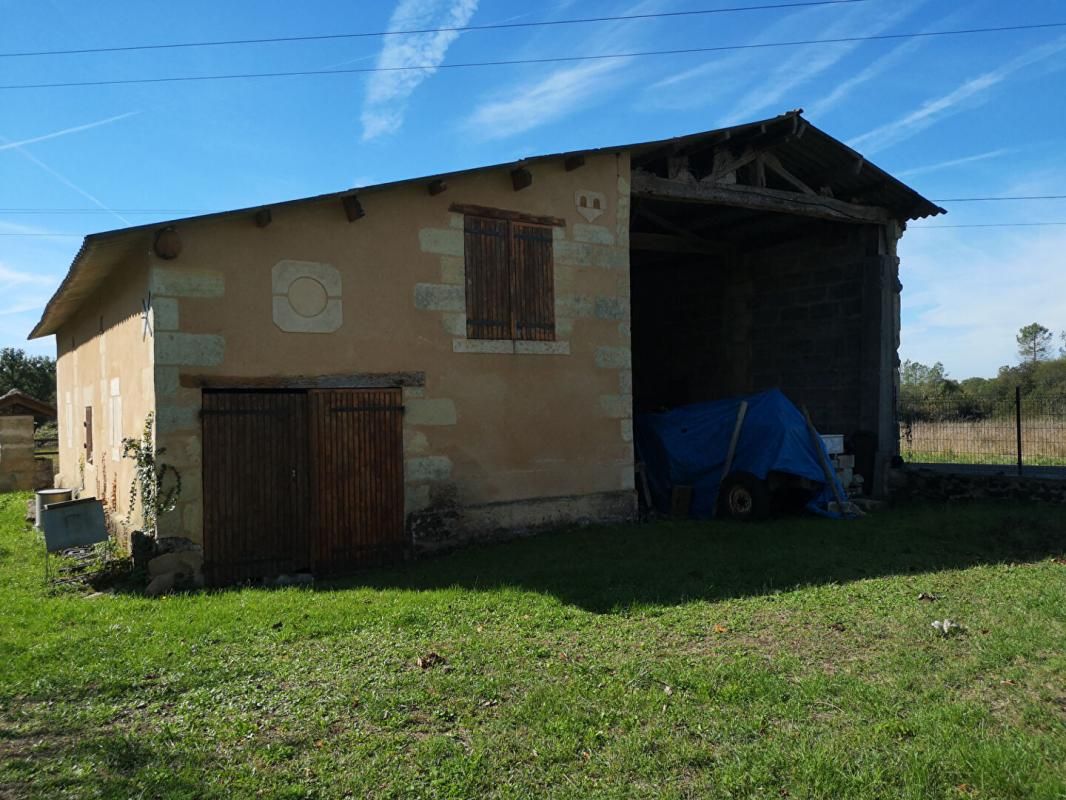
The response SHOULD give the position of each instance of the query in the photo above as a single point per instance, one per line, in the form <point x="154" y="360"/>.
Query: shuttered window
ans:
<point x="89" y="434"/>
<point x="509" y="284"/>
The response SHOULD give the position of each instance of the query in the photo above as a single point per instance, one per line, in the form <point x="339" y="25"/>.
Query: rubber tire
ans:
<point x="743" y="497"/>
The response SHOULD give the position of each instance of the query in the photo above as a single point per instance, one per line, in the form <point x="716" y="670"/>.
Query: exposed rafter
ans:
<point x="521" y="178"/>
<point x="773" y="163"/>
<point x="755" y="198"/>
<point x="573" y="162"/>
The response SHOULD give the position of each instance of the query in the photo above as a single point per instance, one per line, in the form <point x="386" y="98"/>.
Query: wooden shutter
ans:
<point x="510" y="291"/>
<point x="89" y="434"/>
<point x="533" y="305"/>
<point x="488" y="284"/>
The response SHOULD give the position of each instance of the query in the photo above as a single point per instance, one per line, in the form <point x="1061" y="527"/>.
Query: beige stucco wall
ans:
<point x="105" y="361"/>
<point x="489" y="431"/>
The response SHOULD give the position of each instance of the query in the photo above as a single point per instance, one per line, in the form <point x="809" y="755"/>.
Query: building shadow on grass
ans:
<point x="604" y="569"/>
<point x="99" y="762"/>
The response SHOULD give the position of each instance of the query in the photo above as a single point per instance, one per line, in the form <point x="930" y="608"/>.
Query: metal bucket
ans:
<point x="46" y="496"/>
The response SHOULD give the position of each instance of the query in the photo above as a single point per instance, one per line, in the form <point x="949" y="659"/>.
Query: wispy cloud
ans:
<point x="7" y="145"/>
<point x="761" y="79"/>
<point x="22" y="308"/>
<point x="954" y="162"/>
<point x="723" y="72"/>
<point x="24" y="292"/>
<point x="63" y="179"/>
<point x="11" y="277"/>
<point x="387" y="92"/>
<point x="542" y="101"/>
<point x="966" y="95"/>
<point x="863" y="76"/>
<point x="961" y="310"/>
<point x="897" y="55"/>
<point x="806" y="63"/>
<point x="563" y="90"/>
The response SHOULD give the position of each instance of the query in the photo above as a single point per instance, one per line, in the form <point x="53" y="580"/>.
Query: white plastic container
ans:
<point x="46" y="496"/>
<point x="834" y="443"/>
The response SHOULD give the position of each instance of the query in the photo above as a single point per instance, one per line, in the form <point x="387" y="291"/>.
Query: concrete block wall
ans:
<point x="816" y="316"/>
<point x="685" y="350"/>
<point x="825" y="329"/>
<point x="807" y="330"/>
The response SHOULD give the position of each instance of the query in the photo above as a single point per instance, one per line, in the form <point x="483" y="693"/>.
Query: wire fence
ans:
<point x="1023" y="431"/>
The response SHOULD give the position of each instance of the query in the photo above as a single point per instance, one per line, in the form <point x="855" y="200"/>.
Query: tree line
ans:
<point x="1039" y="373"/>
<point x="32" y="375"/>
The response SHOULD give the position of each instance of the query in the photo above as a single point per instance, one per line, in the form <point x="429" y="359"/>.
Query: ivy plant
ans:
<point x="150" y="477"/>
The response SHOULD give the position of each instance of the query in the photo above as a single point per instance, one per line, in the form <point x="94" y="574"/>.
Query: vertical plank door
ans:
<point x="357" y="478"/>
<point x="255" y="483"/>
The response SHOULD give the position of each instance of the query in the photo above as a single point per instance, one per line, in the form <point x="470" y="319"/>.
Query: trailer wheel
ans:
<point x="743" y="497"/>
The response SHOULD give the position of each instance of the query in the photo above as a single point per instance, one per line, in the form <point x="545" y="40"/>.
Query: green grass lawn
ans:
<point x="951" y="457"/>
<point x="789" y="659"/>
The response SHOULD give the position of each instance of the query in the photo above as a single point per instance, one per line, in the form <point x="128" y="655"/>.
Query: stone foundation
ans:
<point x="936" y="486"/>
<point x="444" y="526"/>
<point x="173" y="563"/>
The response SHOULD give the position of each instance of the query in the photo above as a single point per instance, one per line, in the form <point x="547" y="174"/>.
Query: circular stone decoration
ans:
<point x="307" y="297"/>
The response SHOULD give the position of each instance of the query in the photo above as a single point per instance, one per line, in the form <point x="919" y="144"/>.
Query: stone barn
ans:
<point x="349" y="378"/>
<point x="20" y="469"/>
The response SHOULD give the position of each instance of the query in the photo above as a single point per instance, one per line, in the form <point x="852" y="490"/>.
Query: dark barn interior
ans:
<point x="761" y="257"/>
<point x="771" y="301"/>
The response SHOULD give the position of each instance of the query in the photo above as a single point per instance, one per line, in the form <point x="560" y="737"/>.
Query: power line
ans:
<point x="909" y="228"/>
<point x="986" y="225"/>
<point x="547" y="60"/>
<point x="105" y="211"/>
<point x="1015" y="197"/>
<point x="456" y="29"/>
<point x="216" y="211"/>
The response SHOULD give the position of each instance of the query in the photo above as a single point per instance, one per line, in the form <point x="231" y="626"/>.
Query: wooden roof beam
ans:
<point x="353" y="209"/>
<point x="521" y="178"/>
<point x="773" y="163"/>
<point x="667" y="243"/>
<point x="756" y="198"/>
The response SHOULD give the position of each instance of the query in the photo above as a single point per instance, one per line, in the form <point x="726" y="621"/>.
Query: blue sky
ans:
<point x="953" y="116"/>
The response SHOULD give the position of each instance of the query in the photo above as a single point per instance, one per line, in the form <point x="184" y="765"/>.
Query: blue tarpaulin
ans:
<point x="687" y="446"/>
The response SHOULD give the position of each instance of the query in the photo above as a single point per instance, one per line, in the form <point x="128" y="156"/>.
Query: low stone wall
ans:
<point x="940" y="486"/>
<point x="445" y="525"/>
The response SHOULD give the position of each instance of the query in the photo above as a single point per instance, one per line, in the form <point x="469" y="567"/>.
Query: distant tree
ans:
<point x="979" y="388"/>
<point x="1021" y="375"/>
<point x="922" y="382"/>
<point x="34" y="375"/>
<point x="1049" y="378"/>
<point x="1034" y="343"/>
<point x="1062" y="350"/>
<point x="933" y="379"/>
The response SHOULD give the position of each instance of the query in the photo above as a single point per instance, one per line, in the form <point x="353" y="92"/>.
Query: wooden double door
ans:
<point x="299" y="481"/>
